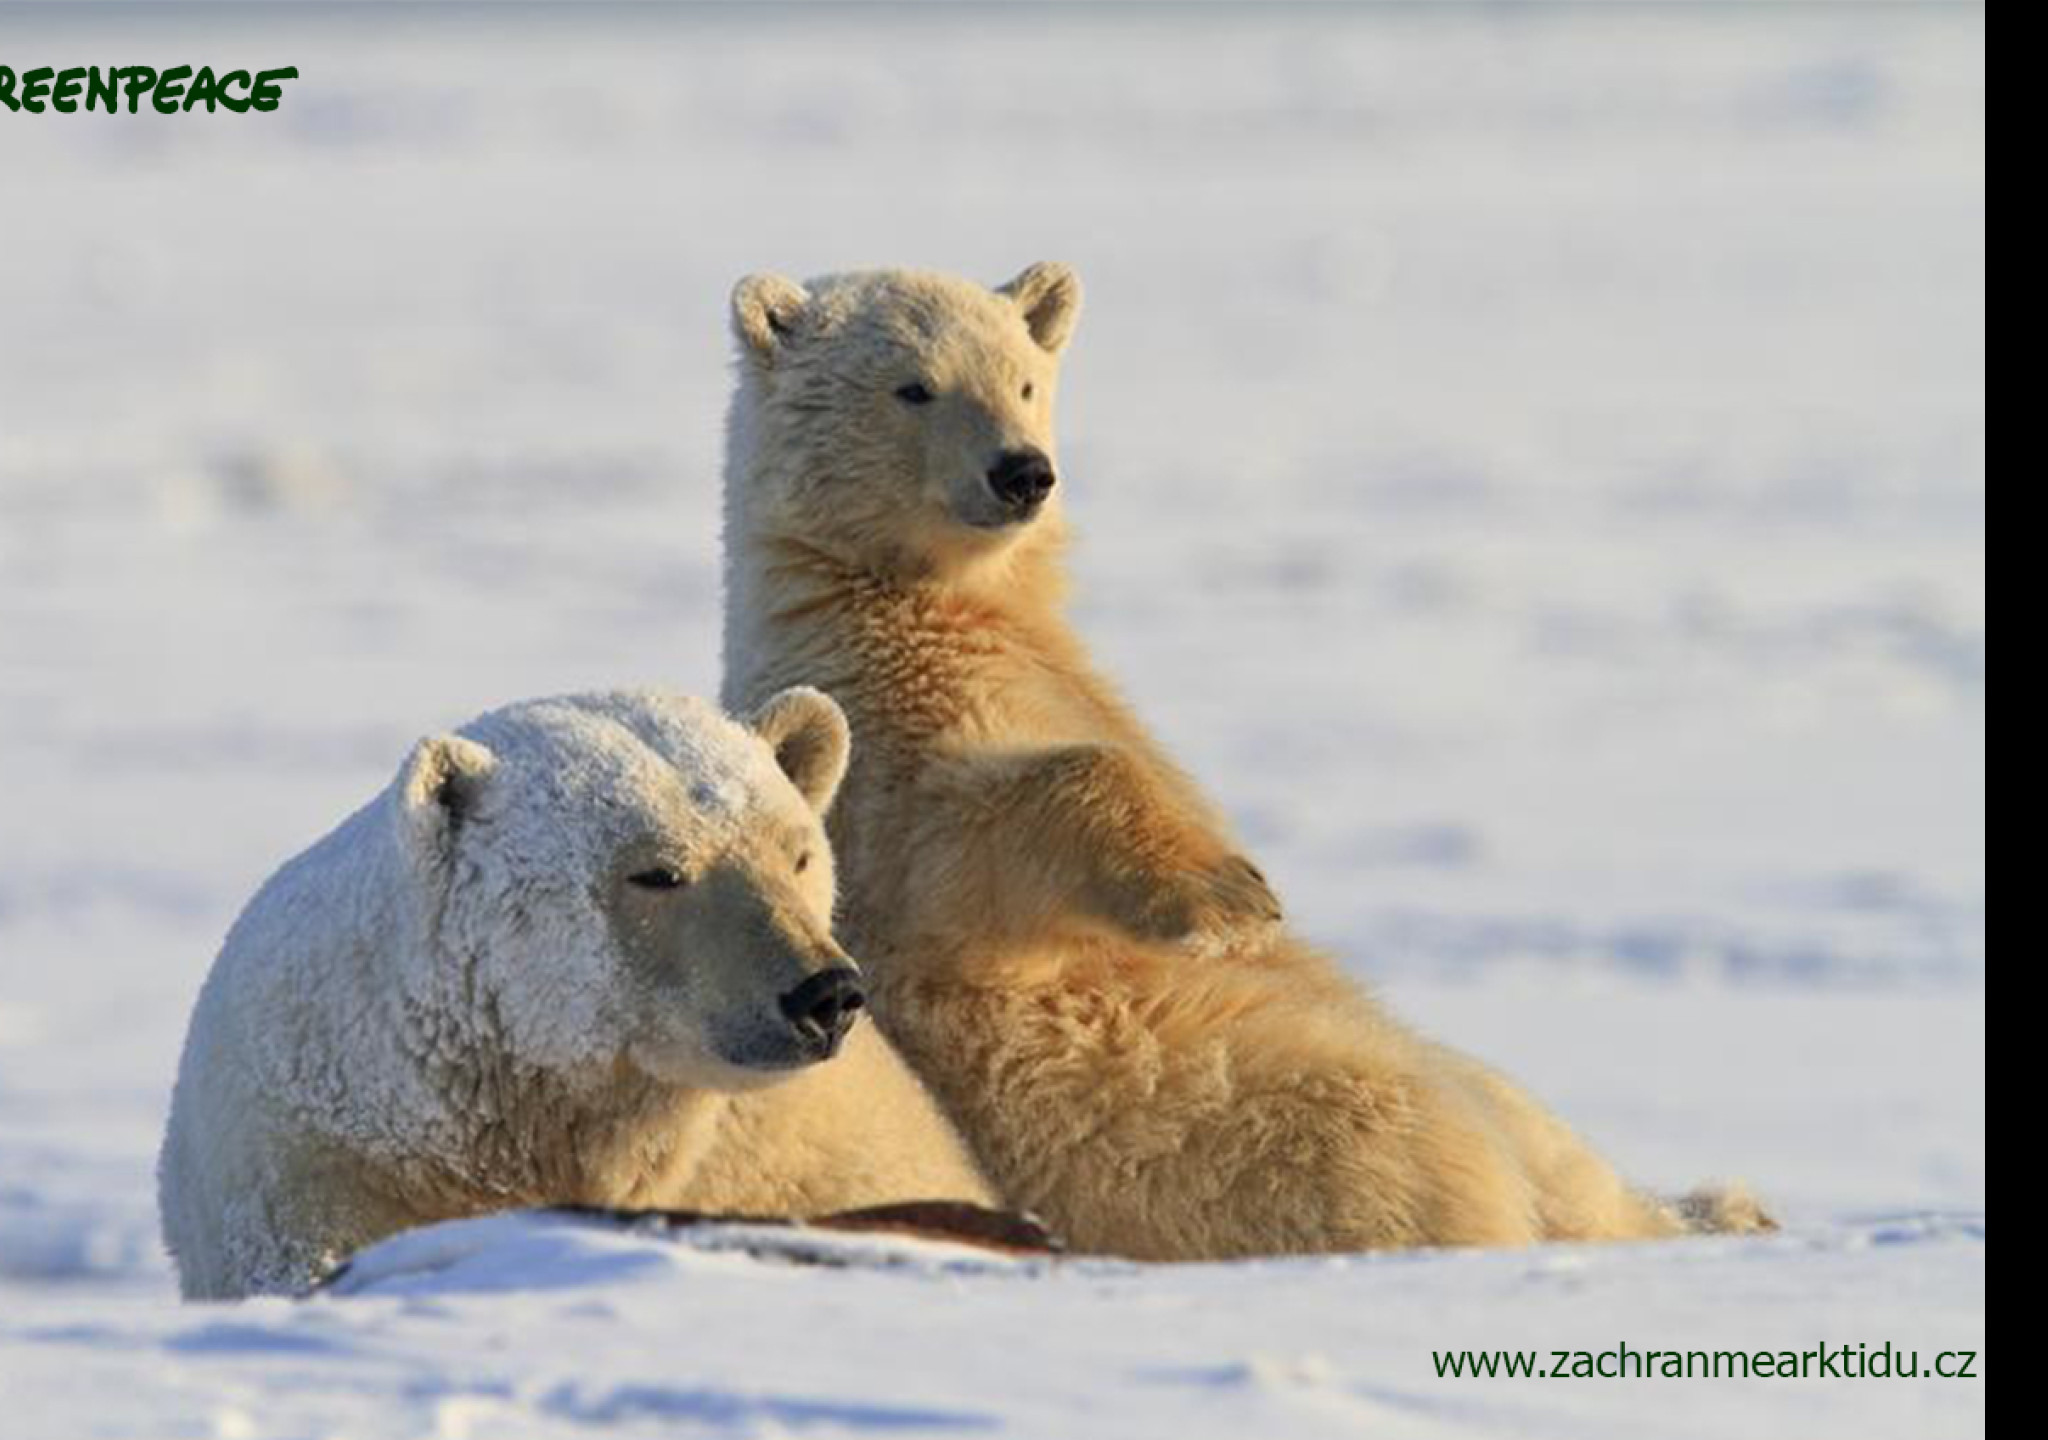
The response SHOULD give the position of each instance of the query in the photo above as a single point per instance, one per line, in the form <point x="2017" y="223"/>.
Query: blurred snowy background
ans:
<point x="1528" y="461"/>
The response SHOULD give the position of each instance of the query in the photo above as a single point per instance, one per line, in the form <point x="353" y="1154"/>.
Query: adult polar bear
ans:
<point x="556" y="961"/>
<point x="1061" y="934"/>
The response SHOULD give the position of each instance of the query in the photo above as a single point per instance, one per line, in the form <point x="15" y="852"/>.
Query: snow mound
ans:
<point x="561" y="1249"/>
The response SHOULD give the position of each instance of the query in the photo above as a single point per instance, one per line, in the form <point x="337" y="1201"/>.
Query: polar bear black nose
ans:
<point x="1021" y="478"/>
<point x="822" y="1007"/>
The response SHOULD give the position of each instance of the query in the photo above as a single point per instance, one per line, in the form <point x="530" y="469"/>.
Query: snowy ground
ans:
<point x="1529" y="462"/>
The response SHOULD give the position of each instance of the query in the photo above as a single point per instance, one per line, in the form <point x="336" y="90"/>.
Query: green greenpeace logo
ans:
<point x="169" y="91"/>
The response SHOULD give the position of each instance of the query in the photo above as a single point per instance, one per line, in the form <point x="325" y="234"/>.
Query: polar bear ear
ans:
<point x="808" y="733"/>
<point x="438" y="790"/>
<point x="765" y="312"/>
<point x="1049" y="294"/>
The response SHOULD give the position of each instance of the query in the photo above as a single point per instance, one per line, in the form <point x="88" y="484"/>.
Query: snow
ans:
<point x="517" y="1325"/>
<point x="1529" y="462"/>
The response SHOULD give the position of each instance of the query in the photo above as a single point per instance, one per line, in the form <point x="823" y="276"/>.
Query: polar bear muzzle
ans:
<point x="1021" y="479"/>
<point x="734" y="968"/>
<point x="823" y="1008"/>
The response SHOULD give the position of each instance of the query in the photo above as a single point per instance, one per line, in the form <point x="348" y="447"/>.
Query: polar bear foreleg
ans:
<point x="1036" y="840"/>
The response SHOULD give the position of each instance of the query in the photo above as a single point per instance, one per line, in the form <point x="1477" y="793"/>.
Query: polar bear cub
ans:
<point x="579" y="952"/>
<point x="1062" y="932"/>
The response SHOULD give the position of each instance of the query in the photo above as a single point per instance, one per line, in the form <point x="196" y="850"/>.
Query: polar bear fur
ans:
<point x="482" y="991"/>
<point x="1060" y="931"/>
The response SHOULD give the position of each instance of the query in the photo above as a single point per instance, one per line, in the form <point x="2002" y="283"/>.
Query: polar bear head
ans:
<point x="635" y="878"/>
<point x="897" y="420"/>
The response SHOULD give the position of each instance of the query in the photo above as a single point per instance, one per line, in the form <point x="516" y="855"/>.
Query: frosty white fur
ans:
<point x="429" y="1013"/>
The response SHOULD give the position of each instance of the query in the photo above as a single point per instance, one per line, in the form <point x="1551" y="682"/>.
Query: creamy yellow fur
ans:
<point x="1059" y="929"/>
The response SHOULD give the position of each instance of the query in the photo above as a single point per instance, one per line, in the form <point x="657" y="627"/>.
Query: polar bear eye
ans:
<point x="659" y="878"/>
<point x="914" y="393"/>
<point x="1029" y="389"/>
<point x="803" y="862"/>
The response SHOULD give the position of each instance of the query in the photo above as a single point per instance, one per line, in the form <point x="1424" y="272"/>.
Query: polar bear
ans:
<point x="1061" y="933"/>
<point x="577" y="953"/>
